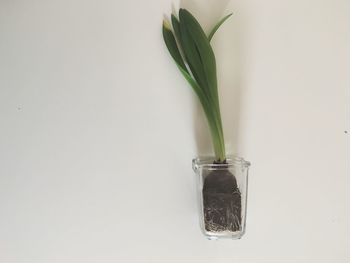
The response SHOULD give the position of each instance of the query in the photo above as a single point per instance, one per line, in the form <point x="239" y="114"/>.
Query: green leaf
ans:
<point x="200" y="48"/>
<point x="216" y="27"/>
<point x="176" y="26"/>
<point x="201" y="57"/>
<point x="192" y="56"/>
<point x="170" y="42"/>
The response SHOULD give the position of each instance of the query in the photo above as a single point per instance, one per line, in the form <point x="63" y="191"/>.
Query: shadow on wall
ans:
<point x="227" y="44"/>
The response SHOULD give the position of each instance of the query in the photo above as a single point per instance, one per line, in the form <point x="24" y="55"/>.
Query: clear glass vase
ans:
<point x="222" y="196"/>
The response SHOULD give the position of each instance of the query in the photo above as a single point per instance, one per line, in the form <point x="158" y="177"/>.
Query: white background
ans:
<point x="98" y="129"/>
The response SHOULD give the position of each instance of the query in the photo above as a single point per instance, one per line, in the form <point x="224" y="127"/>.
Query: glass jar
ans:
<point x="222" y="196"/>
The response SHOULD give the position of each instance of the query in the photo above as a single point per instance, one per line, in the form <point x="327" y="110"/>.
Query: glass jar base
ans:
<point x="223" y="235"/>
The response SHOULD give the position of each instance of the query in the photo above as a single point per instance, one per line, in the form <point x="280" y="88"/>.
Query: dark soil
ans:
<point x="222" y="202"/>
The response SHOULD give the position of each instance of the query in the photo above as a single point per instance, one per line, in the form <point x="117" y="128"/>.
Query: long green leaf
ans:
<point x="203" y="49"/>
<point x="192" y="56"/>
<point x="191" y="30"/>
<point x="170" y="42"/>
<point x="176" y="26"/>
<point x="216" y="27"/>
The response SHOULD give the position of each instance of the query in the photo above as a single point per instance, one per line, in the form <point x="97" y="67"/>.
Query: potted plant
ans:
<point x="222" y="181"/>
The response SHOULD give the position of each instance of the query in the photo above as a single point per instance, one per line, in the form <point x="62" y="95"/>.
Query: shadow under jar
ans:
<point x="222" y="196"/>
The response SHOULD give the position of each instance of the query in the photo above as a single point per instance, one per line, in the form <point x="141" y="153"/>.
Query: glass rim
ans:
<point x="208" y="162"/>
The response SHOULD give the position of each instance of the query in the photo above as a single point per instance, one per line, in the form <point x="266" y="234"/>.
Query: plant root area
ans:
<point x="221" y="202"/>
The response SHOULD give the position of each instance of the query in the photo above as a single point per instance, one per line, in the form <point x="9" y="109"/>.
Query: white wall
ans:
<point x="98" y="128"/>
